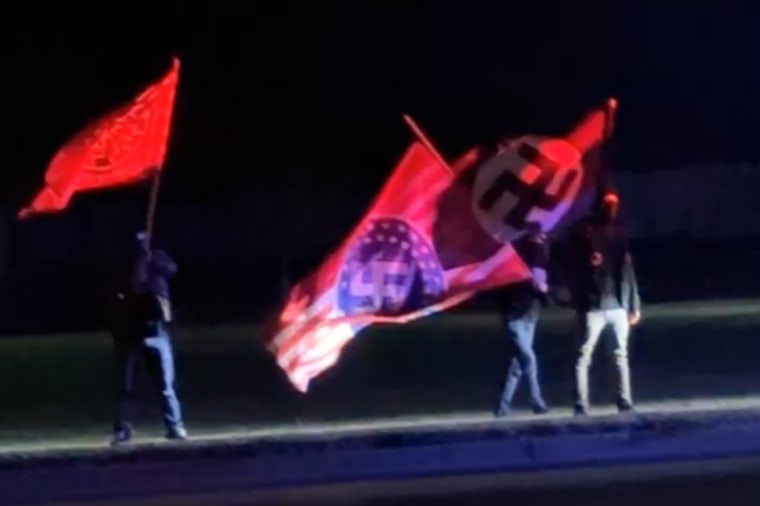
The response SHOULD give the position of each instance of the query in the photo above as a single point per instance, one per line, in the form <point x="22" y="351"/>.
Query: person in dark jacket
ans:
<point x="522" y="304"/>
<point x="605" y="293"/>
<point x="152" y="270"/>
<point x="140" y="332"/>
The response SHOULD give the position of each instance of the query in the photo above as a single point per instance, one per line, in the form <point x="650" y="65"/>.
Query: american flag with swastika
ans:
<point x="418" y="250"/>
<point x="392" y="266"/>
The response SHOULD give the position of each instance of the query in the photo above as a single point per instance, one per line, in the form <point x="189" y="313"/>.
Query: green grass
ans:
<point x="59" y="381"/>
<point x="62" y="385"/>
<point x="59" y="385"/>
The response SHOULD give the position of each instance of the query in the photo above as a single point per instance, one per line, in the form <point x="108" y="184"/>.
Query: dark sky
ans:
<point x="288" y="119"/>
<point x="312" y="93"/>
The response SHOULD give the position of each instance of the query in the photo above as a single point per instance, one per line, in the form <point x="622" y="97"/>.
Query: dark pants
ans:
<point x="157" y="354"/>
<point x="520" y="332"/>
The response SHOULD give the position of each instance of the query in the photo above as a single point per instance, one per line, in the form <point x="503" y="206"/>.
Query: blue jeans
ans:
<point x="521" y="332"/>
<point x="157" y="353"/>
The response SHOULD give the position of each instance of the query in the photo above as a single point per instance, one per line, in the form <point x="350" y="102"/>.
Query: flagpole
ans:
<point x="153" y="199"/>
<point x="424" y="140"/>
<point x="609" y="117"/>
<point x="610" y="110"/>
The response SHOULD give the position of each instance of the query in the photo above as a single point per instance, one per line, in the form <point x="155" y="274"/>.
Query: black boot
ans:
<point x="122" y="435"/>
<point x="624" y="406"/>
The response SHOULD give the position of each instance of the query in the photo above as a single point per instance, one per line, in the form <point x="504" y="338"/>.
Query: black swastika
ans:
<point x="528" y="195"/>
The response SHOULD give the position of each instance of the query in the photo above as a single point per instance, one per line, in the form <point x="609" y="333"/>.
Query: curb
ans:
<point x="266" y="464"/>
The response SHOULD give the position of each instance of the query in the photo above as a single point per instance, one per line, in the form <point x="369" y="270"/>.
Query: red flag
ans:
<point x="430" y="240"/>
<point x="125" y="146"/>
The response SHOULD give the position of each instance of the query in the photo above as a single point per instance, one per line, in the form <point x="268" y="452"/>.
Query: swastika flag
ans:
<point x="433" y="238"/>
<point x="125" y="146"/>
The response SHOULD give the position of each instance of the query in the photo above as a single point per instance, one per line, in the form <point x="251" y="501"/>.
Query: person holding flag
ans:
<point x="520" y="311"/>
<point x="435" y="235"/>
<point x="140" y="331"/>
<point x="126" y="146"/>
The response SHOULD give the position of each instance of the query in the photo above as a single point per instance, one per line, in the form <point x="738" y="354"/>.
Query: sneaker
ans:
<point x="176" y="434"/>
<point x="502" y="411"/>
<point x="122" y="436"/>
<point x="540" y="409"/>
<point x="580" y="410"/>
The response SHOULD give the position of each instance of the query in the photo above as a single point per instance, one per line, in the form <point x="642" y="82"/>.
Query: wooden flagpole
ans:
<point x="153" y="199"/>
<point x="609" y="127"/>
<point x="609" y="117"/>
<point x="424" y="140"/>
<point x="150" y="218"/>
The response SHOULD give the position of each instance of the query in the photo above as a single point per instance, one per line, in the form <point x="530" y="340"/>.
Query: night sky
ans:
<point x="288" y="95"/>
<point x="288" y="120"/>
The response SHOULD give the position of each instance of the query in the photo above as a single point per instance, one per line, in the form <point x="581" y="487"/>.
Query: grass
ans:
<point x="61" y="385"/>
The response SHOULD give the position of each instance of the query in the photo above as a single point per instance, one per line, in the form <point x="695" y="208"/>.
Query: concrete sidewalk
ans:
<point x="382" y="450"/>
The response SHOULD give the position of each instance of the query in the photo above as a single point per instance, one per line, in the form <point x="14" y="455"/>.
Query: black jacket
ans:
<point x="517" y="299"/>
<point x="152" y="273"/>
<point x="602" y="274"/>
<point x="136" y="317"/>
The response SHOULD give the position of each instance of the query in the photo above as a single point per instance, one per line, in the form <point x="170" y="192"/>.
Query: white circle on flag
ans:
<point x="534" y="179"/>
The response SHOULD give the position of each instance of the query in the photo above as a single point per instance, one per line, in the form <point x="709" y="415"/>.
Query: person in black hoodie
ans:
<point x="142" y="314"/>
<point x="521" y="307"/>
<point x="605" y="293"/>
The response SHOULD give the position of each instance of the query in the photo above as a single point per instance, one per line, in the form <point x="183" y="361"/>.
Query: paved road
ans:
<point x="732" y="482"/>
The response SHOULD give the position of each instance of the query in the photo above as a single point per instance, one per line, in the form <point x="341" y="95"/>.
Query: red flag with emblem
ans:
<point x="125" y="146"/>
<point x="433" y="238"/>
